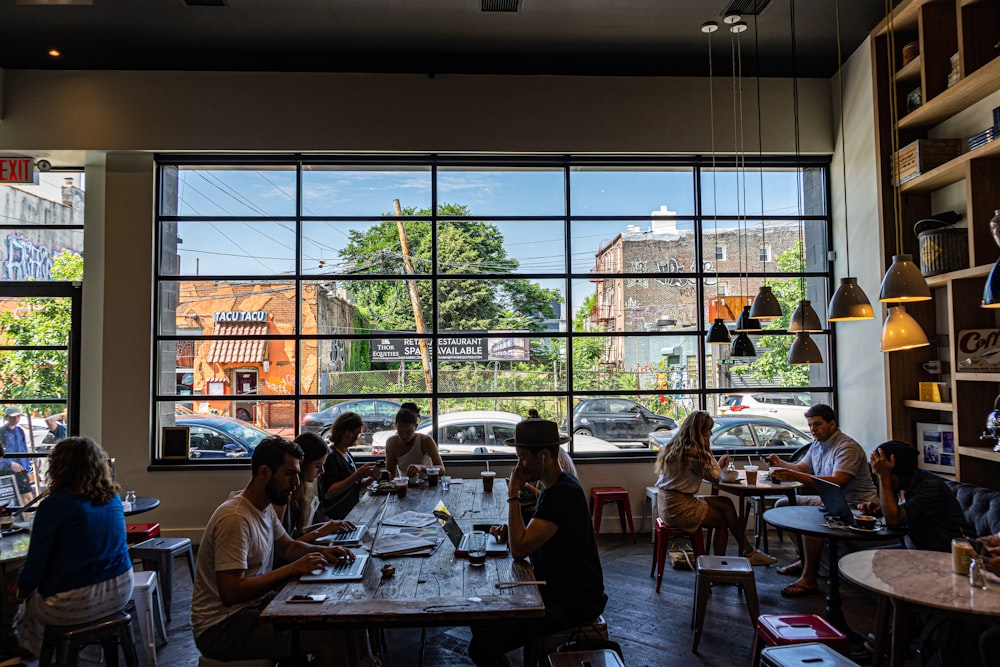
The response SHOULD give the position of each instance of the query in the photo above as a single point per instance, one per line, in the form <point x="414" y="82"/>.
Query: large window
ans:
<point x="293" y="289"/>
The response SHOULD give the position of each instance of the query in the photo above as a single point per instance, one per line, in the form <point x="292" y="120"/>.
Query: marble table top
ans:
<point x="764" y="485"/>
<point x="921" y="577"/>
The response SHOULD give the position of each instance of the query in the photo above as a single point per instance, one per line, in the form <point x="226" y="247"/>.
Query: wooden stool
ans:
<point x="662" y="534"/>
<point x="611" y="494"/>
<point x="140" y="532"/>
<point x="603" y="658"/>
<point x="721" y="570"/>
<point x="803" y="655"/>
<point x="786" y="629"/>
<point x="650" y="504"/>
<point x="63" y="642"/>
<point x="158" y="555"/>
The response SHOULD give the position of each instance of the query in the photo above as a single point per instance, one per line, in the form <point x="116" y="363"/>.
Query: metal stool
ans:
<point x="140" y="532"/>
<point x="611" y="494"/>
<point x="786" y="629"/>
<point x="650" y="504"/>
<point x="204" y="661"/>
<point x="662" y="534"/>
<point x="803" y="655"/>
<point x="63" y="642"/>
<point x="721" y="570"/>
<point x="149" y="609"/>
<point x="158" y="555"/>
<point x="602" y="658"/>
<point x="543" y="646"/>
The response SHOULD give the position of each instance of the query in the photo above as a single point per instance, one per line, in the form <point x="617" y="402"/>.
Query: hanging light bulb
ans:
<point x="901" y="331"/>
<point x="719" y="334"/>
<point x="765" y="305"/>
<point x="743" y="346"/>
<point x="805" y="318"/>
<point x="849" y="303"/>
<point x="747" y="323"/>
<point x="903" y="282"/>
<point x="804" y="350"/>
<point x="991" y="292"/>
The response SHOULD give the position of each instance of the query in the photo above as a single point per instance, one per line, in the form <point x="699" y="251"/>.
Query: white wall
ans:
<point x="114" y="121"/>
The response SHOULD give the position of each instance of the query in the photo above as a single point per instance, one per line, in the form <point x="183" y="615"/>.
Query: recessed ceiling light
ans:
<point x="55" y="53"/>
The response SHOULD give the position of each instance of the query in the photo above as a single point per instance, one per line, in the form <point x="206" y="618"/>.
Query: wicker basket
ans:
<point x="943" y="250"/>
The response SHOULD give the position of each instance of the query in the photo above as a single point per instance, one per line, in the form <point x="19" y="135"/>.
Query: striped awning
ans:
<point x="238" y="350"/>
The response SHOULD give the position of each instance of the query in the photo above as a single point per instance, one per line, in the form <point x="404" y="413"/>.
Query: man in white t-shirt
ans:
<point x="234" y="580"/>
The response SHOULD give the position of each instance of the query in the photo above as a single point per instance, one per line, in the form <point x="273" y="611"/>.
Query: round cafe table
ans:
<point x="763" y="487"/>
<point x="143" y="504"/>
<point x="909" y="578"/>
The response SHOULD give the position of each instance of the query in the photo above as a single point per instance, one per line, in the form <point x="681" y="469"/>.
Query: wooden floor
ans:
<point x="653" y="629"/>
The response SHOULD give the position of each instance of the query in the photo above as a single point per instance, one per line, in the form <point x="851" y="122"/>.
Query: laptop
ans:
<point x="834" y="502"/>
<point x="342" y="570"/>
<point x="351" y="538"/>
<point x="461" y="539"/>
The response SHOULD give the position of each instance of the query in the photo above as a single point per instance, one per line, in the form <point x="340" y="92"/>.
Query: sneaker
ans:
<point x="760" y="558"/>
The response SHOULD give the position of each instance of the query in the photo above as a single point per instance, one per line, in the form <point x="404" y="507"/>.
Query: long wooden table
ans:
<point x="435" y="590"/>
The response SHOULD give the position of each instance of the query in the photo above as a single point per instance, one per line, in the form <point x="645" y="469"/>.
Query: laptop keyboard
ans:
<point x="347" y="567"/>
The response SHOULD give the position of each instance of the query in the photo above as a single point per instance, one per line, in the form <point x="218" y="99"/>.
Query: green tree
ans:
<point x="772" y="364"/>
<point x="39" y="321"/>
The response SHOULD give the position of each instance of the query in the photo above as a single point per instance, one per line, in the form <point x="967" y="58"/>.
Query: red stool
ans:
<point x="611" y="494"/>
<point x="662" y="534"/>
<point x="140" y="532"/>
<point x="784" y="629"/>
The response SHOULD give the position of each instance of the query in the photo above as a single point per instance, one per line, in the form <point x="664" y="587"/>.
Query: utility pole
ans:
<point x="418" y="314"/>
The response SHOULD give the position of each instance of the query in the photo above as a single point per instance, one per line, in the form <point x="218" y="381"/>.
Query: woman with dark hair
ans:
<point x="78" y="569"/>
<point x="297" y="516"/>
<point x="682" y="465"/>
<point x="410" y="451"/>
<point x="341" y="483"/>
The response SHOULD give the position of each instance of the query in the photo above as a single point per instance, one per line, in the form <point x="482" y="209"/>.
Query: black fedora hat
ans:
<point x="536" y="433"/>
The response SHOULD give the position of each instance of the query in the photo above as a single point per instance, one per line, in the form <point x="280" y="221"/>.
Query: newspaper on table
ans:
<point x="410" y="519"/>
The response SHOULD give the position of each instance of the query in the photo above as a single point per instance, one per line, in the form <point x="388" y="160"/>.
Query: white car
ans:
<point x="788" y="407"/>
<point x="481" y="432"/>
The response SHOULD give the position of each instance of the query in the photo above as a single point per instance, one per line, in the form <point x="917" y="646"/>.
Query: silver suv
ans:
<point x="788" y="407"/>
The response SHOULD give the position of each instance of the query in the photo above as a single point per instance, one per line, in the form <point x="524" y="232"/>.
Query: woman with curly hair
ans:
<point x="78" y="568"/>
<point x="341" y="483"/>
<point x="682" y="465"/>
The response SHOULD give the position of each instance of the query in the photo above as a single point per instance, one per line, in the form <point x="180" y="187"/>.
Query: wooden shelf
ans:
<point x="985" y="453"/>
<point x="928" y="405"/>
<point x="942" y="279"/>
<point x="950" y="172"/>
<point x="968" y="91"/>
<point x="909" y="72"/>
<point x="904" y="17"/>
<point x="977" y="377"/>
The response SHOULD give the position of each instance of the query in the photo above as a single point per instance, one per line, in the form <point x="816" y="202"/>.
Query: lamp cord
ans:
<point x="715" y="189"/>
<point x="897" y="201"/>
<point x="798" y="166"/>
<point x="760" y="139"/>
<point x="843" y="139"/>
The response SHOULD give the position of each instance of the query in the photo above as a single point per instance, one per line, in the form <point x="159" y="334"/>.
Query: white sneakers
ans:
<point x="760" y="558"/>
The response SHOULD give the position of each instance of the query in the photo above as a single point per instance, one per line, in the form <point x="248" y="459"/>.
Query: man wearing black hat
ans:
<point x="560" y="540"/>
<point x="930" y="513"/>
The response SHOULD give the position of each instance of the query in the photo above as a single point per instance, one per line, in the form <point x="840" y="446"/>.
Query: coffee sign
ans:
<point x="978" y="351"/>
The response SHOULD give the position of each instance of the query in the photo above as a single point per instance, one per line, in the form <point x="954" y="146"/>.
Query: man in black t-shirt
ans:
<point x="560" y="540"/>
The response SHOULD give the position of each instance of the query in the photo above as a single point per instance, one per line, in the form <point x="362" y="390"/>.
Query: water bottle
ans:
<point x="129" y="503"/>
<point x="977" y="574"/>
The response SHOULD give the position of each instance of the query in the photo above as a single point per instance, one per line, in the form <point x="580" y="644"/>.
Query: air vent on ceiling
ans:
<point x="206" y="3"/>
<point x="746" y="7"/>
<point x="500" y="5"/>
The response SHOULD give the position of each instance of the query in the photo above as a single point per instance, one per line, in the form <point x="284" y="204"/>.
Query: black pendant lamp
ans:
<point x="746" y="322"/>
<point x="719" y="334"/>
<point x="804" y="351"/>
<point x="765" y="305"/>
<point x="805" y="319"/>
<point x="743" y="346"/>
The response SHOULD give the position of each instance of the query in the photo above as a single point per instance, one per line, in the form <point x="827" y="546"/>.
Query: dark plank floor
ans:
<point x="653" y="629"/>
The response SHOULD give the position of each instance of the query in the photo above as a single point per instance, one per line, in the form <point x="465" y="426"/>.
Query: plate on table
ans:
<point x="865" y="530"/>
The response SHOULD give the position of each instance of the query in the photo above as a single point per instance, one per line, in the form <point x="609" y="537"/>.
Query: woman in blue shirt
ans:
<point x="78" y="568"/>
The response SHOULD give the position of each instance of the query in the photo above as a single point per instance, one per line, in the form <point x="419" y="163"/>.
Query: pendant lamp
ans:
<point x="901" y="332"/>
<point x="849" y="302"/>
<point x="765" y="305"/>
<point x="903" y="282"/>
<point x="743" y="346"/>
<point x="747" y="323"/>
<point x="719" y="334"/>
<point x="805" y="319"/>
<point x="804" y="350"/>
<point x="991" y="293"/>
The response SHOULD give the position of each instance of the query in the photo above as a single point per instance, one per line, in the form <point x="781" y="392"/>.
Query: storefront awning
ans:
<point x="238" y="350"/>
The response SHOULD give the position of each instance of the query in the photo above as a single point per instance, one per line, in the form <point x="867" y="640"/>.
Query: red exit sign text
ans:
<point x="17" y="170"/>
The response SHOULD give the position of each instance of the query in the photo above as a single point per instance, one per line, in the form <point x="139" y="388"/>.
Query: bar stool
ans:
<point x="662" y="534"/>
<point x="721" y="570"/>
<point x="601" y="658"/>
<point x="599" y="496"/>
<point x="63" y="642"/>
<point x="650" y="504"/>
<point x="140" y="532"/>
<point x="149" y="609"/>
<point x="158" y="555"/>
<point x="787" y="629"/>
<point x="803" y="655"/>
<point x="205" y="661"/>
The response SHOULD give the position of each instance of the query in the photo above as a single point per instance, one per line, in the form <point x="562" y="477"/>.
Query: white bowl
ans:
<point x="730" y="475"/>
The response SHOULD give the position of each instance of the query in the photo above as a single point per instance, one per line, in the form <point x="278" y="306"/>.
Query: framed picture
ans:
<point x="936" y="444"/>
<point x="175" y="442"/>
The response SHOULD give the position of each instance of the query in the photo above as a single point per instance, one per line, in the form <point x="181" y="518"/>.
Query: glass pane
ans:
<point x="193" y="367"/>
<point x="473" y="191"/>
<point x="220" y="429"/>
<point x="768" y="402"/>
<point x="479" y="426"/>
<point x="226" y="248"/>
<point x="360" y="248"/>
<point x="498" y="305"/>
<point x="631" y="191"/>
<point x="364" y="306"/>
<point x="42" y="254"/>
<point x="57" y="199"/>
<point x="769" y="368"/>
<point x="634" y="304"/>
<point x="665" y="363"/>
<point x="476" y="363"/>
<point x="772" y="246"/>
<point x="364" y="191"/>
<point x="501" y="247"/>
<point x="362" y="366"/>
<point x="27" y="372"/>
<point x="228" y="191"/>
<point x="664" y="245"/>
<point x="212" y="308"/>
<point x="630" y="422"/>
<point x="733" y="192"/>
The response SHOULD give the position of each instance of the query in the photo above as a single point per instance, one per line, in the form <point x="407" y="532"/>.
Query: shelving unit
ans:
<point x="970" y="28"/>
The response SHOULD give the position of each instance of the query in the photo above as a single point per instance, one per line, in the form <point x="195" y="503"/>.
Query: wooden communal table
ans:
<point x="435" y="590"/>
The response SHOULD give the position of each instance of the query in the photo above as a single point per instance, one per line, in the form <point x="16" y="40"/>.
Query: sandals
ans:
<point x="799" y="591"/>
<point x="792" y="570"/>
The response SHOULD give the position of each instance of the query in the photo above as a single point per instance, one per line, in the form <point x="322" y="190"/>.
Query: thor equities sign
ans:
<point x="457" y="348"/>
<point x="17" y="170"/>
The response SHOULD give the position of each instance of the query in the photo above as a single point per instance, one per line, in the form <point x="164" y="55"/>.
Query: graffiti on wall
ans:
<point x="25" y="260"/>
<point x="672" y="265"/>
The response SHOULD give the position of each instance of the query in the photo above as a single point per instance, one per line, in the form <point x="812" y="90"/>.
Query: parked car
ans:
<point x="618" y="420"/>
<point x="753" y="435"/>
<point x="216" y="437"/>
<point x="788" y="407"/>
<point x="481" y="432"/>
<point x="378" y="415"/>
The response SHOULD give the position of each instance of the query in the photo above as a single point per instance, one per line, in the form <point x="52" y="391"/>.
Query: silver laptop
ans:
<point x="834" y="502"/>
<point x="460" y="538"/>
<point x="342" y="570"/>
<point x="351" y="538"/>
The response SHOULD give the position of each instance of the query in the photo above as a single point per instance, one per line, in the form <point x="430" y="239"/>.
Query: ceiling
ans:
<point x="584" y="37"/>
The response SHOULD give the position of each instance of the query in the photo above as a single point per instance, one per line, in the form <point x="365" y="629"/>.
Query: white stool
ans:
<point x="651" y="494"/>
<point x="204" y="661"/>
<point x="149" y="609"/>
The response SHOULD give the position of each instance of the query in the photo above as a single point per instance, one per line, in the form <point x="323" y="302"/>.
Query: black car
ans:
<point x="618" y="419"/>
<point x="750" y="435"/>
<point x="378" y="415"/>
<point x="213" y="437"/>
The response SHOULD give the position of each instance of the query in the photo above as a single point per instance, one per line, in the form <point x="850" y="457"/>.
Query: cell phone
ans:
<point x="981" y="550"/>
<point x="307" y="598"/>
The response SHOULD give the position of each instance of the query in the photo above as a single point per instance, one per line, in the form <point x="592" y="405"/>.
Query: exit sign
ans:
<point x="17" y="170"/>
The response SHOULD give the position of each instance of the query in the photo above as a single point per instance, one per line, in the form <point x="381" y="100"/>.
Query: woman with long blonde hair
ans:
<point x="682" y="465"/>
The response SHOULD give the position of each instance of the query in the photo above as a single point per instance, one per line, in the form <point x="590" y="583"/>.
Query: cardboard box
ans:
<point x="923" y="155"/>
